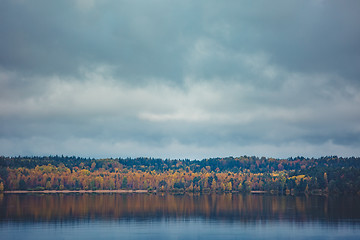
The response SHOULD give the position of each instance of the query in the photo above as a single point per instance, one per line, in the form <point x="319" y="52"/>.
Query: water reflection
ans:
<point x="229" y="207"/>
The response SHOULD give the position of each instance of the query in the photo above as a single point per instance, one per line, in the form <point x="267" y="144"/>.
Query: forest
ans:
<point x="325" y="175"/>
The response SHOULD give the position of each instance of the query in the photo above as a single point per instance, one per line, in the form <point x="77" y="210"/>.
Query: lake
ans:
<point x="167" y="216"/>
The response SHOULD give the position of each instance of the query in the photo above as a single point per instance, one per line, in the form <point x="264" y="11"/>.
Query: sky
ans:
<point x="180" y="79"/>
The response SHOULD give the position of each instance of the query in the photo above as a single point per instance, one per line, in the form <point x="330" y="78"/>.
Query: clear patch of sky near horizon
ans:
<point x="179" y="79"/>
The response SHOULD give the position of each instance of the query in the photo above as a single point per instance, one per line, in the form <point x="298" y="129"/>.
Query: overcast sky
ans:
<point x="180" y="79"/>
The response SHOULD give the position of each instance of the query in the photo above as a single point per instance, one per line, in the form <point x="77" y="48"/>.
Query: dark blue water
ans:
<point x="142" y="216"/>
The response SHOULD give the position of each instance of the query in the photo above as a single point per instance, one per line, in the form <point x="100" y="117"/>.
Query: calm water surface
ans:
<point x="143" y="216"/>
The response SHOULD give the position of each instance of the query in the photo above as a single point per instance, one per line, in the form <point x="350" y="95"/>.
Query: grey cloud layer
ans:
<point x="154" y="38"/>
<point x="182" y="79"/>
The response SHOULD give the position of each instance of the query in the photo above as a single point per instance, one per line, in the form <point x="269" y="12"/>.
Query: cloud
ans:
<point x="187" y="79"/>
<point x="142" y="39"/>
<point x="210" y="115"/>
<point x="85" y="5"/>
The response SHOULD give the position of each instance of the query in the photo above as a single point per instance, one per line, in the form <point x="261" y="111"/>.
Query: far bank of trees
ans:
<point x="242" y="174"/>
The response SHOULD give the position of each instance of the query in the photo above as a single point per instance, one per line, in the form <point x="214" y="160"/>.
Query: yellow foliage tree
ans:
<point x="229" y="186"/>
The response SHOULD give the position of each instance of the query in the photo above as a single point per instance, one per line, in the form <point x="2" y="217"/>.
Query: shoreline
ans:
<point x="78" y="191"/>
<point x="258" y="192"/>
<point x="123" y="191"/>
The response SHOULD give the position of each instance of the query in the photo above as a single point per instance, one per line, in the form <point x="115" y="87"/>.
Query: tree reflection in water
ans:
<point x="232" y="207"/>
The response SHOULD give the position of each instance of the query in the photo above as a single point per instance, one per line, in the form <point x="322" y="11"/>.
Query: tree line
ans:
<point x="330" y="174"/>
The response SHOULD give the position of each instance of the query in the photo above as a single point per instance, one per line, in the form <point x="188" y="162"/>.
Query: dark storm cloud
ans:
<point x="136" y="38"/>
<point x="152" y="38"/>
<point x="181" y="79"/>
